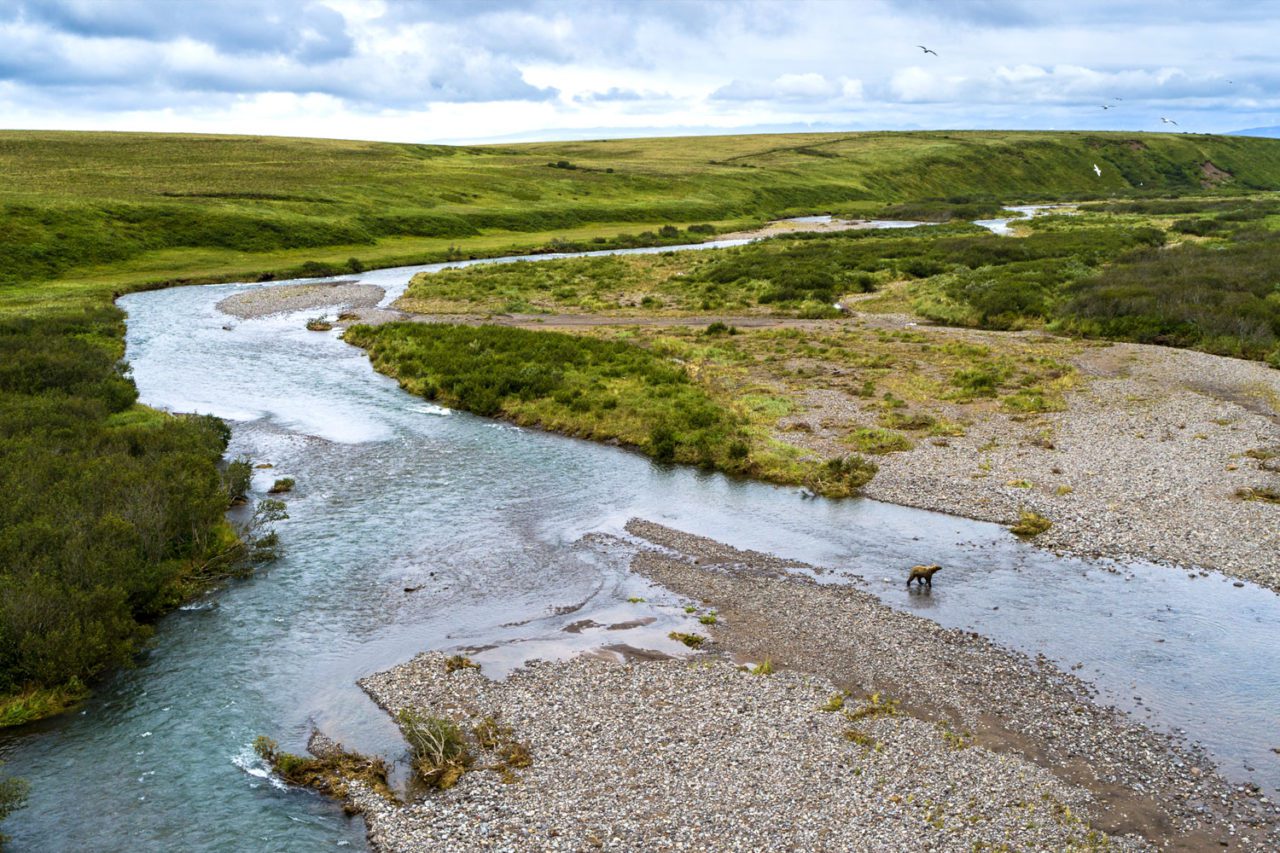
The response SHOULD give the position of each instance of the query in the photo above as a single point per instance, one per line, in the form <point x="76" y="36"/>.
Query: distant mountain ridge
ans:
<point x="1272" y="132"/>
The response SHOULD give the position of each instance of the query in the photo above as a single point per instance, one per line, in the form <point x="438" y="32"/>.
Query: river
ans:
<point x="486" y="519"/>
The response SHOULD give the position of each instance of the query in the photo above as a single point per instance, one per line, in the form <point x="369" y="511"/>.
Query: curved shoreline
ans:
<point x="1145" y="462"/>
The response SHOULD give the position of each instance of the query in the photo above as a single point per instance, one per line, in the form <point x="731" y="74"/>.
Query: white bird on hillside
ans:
<point x="1164" y="120"/>
<point x="926" y="50"/>
<point x="1096" y="170"/>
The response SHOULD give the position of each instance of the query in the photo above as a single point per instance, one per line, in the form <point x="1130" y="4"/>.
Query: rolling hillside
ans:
<point x="122" y="210"/>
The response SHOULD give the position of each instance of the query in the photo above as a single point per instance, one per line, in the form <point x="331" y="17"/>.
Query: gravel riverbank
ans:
<point x="700" y="755"/>
<point x="966" y="745"/>
<point x="287" y="298"/>
<point x="1146" y="462"/>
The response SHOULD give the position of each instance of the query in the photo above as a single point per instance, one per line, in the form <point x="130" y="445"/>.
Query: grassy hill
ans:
<point x="117" y="210"/>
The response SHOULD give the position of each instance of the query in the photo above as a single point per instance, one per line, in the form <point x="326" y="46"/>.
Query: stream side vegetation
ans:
<point x="605" y="390"/>
<point x="113" y="513"/>
<point x="1129" y="276"/>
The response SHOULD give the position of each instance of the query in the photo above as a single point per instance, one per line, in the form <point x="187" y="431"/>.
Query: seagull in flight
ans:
<point x="926" y="50"/>
<point x="1164" y="120"/>
<point x="1096" y="170"/>
<point x="1107" y="106"/>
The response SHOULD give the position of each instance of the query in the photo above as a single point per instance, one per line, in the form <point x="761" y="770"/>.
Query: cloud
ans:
<point x="418" y="67"/>
<point x="809" y="87"/>
<point x="301" y="28"/>
<point x="990" y="13"/>
<point x="467" y="68"/>
<point x="1061" y="84"/>
<point x="616" y="94"/>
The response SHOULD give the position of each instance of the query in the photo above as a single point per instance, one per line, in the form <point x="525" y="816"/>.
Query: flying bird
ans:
<point x="1164" y="120"/>
<point x="1106" y="106"/>
<point x="926" y="50"/>
<point x="1096" y="170"/>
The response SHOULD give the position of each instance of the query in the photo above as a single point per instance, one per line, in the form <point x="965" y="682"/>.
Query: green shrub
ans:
<point x="579" y="385"/>
<point x="111" y="510"/>
<point x="237" y="475"/>
<point x="1199" y="227"/>
<point x="693" y="641"/>
<point x="1215" y="298"/>
<point x="977" y="381"/>
<point x="841" y="476"/>
<point x="456" y="662"/>
<point x="13" y="796"/>
<point x="330" y="774"/>
<point x="281" y="486"/>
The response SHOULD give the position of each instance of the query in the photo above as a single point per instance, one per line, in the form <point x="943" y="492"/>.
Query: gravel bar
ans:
<point x="1145" y="463"/>
<point x="288" y="298"/>
<point x="701" y="755"/>
<point x="984" y="748"/>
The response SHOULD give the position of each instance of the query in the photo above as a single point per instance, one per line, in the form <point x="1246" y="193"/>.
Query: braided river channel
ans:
<point x="487" y="520"/>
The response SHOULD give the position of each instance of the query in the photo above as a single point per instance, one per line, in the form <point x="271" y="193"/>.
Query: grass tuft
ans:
<point x="456" y="662"/>
<point x="693" y="641"/>
<point x="1030" y="524"/>
<point x="437" y="746"/>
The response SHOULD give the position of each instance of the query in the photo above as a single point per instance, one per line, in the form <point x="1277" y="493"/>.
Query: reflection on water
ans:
<point x="485" y="523"/>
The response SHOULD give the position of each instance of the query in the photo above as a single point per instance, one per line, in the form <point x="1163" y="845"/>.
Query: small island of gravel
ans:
<point x="288" y="298"/>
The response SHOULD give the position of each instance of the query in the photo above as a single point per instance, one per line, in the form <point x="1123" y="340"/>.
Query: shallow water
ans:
<point x="1002" y="225"/>
<point x="487" y="520"/>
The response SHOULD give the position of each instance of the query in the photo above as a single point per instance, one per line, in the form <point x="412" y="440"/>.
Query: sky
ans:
<point x="505" y="70"/>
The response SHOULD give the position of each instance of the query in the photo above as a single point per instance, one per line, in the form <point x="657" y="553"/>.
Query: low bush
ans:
<point x="281" y="486"/>
<point x="13" y="796"/>
<point x="330" y="774"/>
<point x="437" y="747"/>
<point x="841" y="476"/>
<point x="693" y="641"/>
<point x="1223" y="299"/>
<point x="578" y="385"/>
<point x="879" y="441"/>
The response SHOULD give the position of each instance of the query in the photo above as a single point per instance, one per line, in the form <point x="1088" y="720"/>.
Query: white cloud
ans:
<point x="461" y="69"/>
<point x="810" y="87"/>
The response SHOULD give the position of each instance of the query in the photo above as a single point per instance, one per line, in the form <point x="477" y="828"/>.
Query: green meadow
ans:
<point x="106" y="212"/>
<point x="114" y="513"/>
